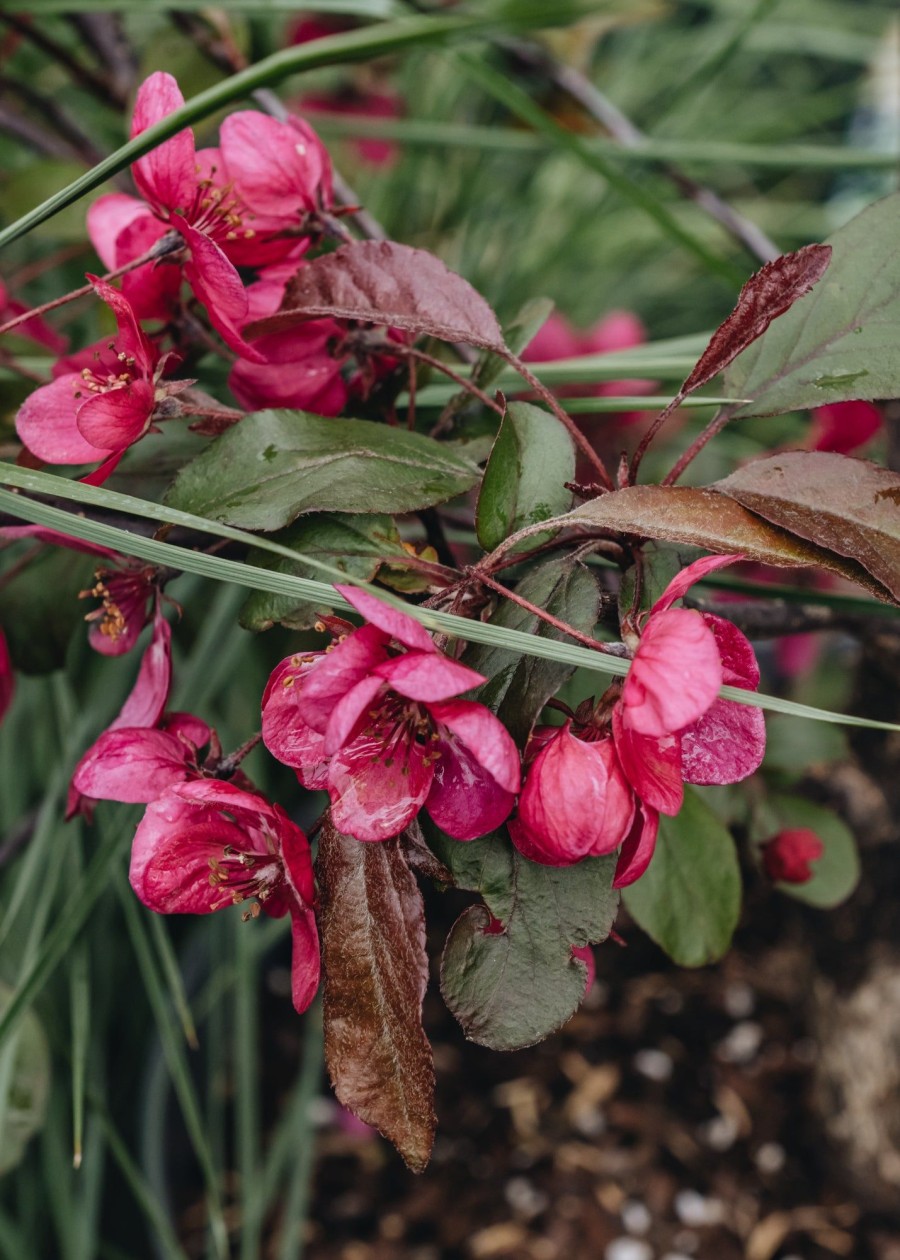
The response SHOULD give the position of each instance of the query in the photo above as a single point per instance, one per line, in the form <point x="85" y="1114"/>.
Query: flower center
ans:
<point x="217" y="212"/>
<point x="396" y="725"/>
<point x="241" y="876"/>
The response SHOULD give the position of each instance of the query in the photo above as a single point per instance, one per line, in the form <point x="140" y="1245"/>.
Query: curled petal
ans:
<point x="116" y="418"/>
<point x="485" y="736"/>
<point x="132" y="340"/>
<point x="218" y="286"/>
<point x="278" y="167"/>
<point x="683" y="581"/>
<point x="46" y="422"/>
<point x="465" y="800"/>
<point x="284" y="732"/>
<point x="675" y="675"/>
<point x="428" y="676"/>
<point x="389" y="619"/>
<point x="638" y="848"/>
<point x="337" y="672"/>
<point x="167" y="175"/>
<point x="305" y="957"/>
<point x="652" y="766"/>
<point x="739" y="664"/>
<point x="133" y="765"/>
<point x="725" y="746"/>
<point x="375" y="796"/>
<point x="145" y="704"/>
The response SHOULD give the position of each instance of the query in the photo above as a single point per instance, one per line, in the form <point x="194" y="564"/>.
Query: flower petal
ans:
<point x="277" y="167"/>
<point x="107" y="217"/>
<point x="486" y="737"/>
<point x="388" y="618"/>
<point x="652" y="766"/>
<point x="638" y="848"/>
<point x="46" y="422"/>
<point x="675" y="675"/>
<point x="305" y="957"/>
<point x="336" y="672"/>
<point x="145" y="704"/>
<point x="218" y="286"/>
<point x="465" y="799"/>
<point x="166" y="176"/>
<point x="374" y="798"/>
<point x="725" y="746"/>
<point x="133" y="765"/>
<point x="286" y="735"/>
<point x="683" y="581"/>
<point x="348" y="713"/>
<point x="428" y="676"/>
<point x="131" y="340"/>
<point x="117" y="418"/>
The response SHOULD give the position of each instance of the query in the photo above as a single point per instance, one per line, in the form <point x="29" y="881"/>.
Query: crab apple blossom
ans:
<point x="205" y="845"/>
<point x="786" y="857"/>
<point x="575" y="801"/>
<point x="375" y="720"/>
<point x="619" y="330"/>
<point x="96" y="413"/>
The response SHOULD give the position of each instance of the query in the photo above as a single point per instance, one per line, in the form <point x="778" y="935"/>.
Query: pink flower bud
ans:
<point x="786" y="857"/>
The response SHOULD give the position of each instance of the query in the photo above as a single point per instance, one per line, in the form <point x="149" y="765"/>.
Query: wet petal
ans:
<point x="675" y="675"/>
<point x="465" y="800"/>
<point x="288" y="738"/>
<point x="337" y="671"/>
<point x="638" y="848"/>
<point x="652" y="766"/>
<point x="133" y="765"/>
<point x="486" y="737"/>
<point x="46" y="422"/>
<point x="373" y="797"/>
<point x="388" y="618"/>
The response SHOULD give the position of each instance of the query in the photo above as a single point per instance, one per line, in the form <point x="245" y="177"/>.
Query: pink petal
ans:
<point x="46" y="423"/>
<point x="285" y="734"/>
<point x="555" y="339"/>
<point x="638" y="848"/>
<point x="348" y="714"/>
<point x="133" y="765"/>
<point x="675" y="675"/>
<point x="564" y="808"/>
<point x="843" y="427"/>
<point x="145" y="704"/>
<point x="786" y="857"/>
<point x="388" y="618"/>
<point x="739" y="664"/>
<point x="187" y="728"/>
<point x="652" y="766"/>
<point x="218" y="286"/>
<point x="428" y="676"/>
<point x="725" y="746"/>
<point x="131" y="340"/>
<point x="12" y="533"/>
<point x="106" y="470"/>
<point x="171" y="853"/>
<point x="683" y="581"/>
<point x="166" y="176"/>
<point x="374" y="798"/>
<point x="465" y="799"/>
<point x="305" y="958"/>
<point x="116" y="418"/>
<point x="311" y="385"/>
<point x="107" y="217"/>
<point x="277" y="167"/>
<point x="485" y="735"/>
<point x="337" y="671"/>
<point x="153" y="289"/>
<point x="619" y="330"/>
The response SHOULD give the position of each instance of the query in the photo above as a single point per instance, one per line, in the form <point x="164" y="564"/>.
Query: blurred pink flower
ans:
<point x="787" y="856"/>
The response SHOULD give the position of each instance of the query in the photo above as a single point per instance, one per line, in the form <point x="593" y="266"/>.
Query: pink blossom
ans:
<point x="619" y="330"/>
<point x="844" y="427"/>
<point x="575" y="802"/>
<point x="97" y="413"/>
<point x="787" y="856"/>
<point x="205" y="845"/>
<point x="375" y="720"/>
<point x="353" y="102"/>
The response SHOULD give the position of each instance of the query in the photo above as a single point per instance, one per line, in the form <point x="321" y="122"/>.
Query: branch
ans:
<point x="767" y="619"/>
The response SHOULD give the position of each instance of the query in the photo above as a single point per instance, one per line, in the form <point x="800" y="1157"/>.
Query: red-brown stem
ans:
<point x="229" y="764"/>
<point x="585" y="542"/>
<point x="461" y="381"/>
<point x="715" y="426"/>
<point x="411" y="409"/>
<point x="562" y="415"/>
<point x="649" y="436"/>
<point x="150" y="256"/>
<point x="541" y="613"/>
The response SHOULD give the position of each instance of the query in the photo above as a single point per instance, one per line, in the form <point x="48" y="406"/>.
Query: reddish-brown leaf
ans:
<point x="376" y="972"/>
<point x="715" y="521"/>
<point x="381" y="282"/>
<point x="847" y="505"/>
<point x="769" y="293"/>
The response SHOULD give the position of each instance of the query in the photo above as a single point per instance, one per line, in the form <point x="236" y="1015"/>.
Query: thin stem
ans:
<point x="563" y="416"/>
<point x="462" y="381"/>
<point x="166" y="245"/>
<point x="542" y="613"/>
<point x="715" y="426"/>
<point x="648" y="437"/>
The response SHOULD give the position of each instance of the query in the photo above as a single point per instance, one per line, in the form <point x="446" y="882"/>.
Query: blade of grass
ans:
<point x="175" y="1059"/>
<point x="307" y="589"/>
<point x="80" y="1015"/>
<point x="168" y="962"/>
<point x="247" y="1108"/>
<point x="513" y="98"/>
<point x="296" y="1203"/>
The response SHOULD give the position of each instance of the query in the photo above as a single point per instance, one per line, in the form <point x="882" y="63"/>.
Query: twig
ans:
<point x="715" y="426"/>
<point x="770" y="618"/>
<point x="104" y="36"/>
<point x="95" y="83"/>
<point x="462" y="381"/>
<point x="623" y="130"/>
<point x="609" y="648"/>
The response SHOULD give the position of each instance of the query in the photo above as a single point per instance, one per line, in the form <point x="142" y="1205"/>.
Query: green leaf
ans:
<point x="357" y="545"/>
<point x="525" y="480"/>
<point x="847" y="505"/>
<point x="40" y="608"/>
<point x="689" y="898"/>
<point x="275" y="465"/>
<point x="376" y="973"/>
<point x="517" y="334"/>
<point x="507" y="971"/>
<point x="519" y="686"/>
<point x="836" y="873"/>
<point x="839" y="342"/>
<point x="29" y="1087"/>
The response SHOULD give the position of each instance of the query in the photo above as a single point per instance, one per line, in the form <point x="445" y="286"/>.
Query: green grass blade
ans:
<point x="80" y="1015"/>
<point x="296" y="1204"/>
<point x="306" y="589"/>
<point x="247" y="1102"/>
<point x="168" y="962"/>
